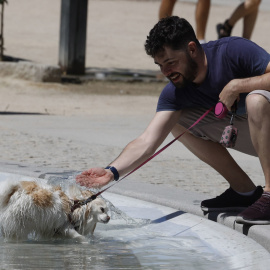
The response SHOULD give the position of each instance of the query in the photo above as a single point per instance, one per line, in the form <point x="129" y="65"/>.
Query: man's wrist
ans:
<point x="114" y="171"/>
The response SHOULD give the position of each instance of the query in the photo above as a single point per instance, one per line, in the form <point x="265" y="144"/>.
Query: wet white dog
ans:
<point x="34" y="207"/>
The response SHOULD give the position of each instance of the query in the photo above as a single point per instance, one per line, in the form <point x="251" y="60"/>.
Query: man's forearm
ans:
<point x="132" y="156"/>
<point x="235" y="87"/>
<point x="254" y="83"/>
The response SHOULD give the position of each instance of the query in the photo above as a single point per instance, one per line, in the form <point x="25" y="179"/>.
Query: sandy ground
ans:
<point x="116" y="29"/>
<point x="115" y="39"/>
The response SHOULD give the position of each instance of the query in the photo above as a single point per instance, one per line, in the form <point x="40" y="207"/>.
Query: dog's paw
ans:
<point x="81" y="239"/>
<point x="72" y="234"/>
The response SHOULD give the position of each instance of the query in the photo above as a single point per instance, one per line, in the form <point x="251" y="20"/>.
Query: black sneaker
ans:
<point x="231" y="201"/>
<point x="258" y="213"/>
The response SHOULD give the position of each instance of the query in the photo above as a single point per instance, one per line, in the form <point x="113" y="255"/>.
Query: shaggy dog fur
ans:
<point x="34" y="207"/>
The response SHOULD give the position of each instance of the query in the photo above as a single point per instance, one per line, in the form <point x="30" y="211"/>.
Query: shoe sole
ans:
<point x="241" y="220"/>
<point x="224" y="209"/>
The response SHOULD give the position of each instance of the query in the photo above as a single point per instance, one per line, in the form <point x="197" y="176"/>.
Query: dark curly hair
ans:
<point x="173" y="32"/>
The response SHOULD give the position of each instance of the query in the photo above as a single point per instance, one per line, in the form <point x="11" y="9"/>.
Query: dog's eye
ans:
<point x="102" y="209"/>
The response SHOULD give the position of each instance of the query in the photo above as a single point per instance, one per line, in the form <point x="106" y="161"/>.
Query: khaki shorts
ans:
<point x="211" y="128"/>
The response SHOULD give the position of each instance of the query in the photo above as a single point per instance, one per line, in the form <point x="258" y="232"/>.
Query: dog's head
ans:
<point x="99" y="210"/>
<point x="87" y="216"/>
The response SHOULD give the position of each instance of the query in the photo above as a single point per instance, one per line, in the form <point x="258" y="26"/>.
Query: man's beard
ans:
<point x="190" y="74"/>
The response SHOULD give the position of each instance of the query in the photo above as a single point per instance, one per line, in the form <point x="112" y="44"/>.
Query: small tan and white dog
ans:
<point x="37" y="208"/>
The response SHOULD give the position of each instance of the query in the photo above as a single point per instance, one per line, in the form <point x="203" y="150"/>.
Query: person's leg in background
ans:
<point x="201" y="16"/>
<point x="166" y="8"/>
<point x="248" y="10"/>
<point x="250" y="20"/>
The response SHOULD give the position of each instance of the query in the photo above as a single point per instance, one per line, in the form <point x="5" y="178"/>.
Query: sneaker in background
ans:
<point x="231" y="201"/>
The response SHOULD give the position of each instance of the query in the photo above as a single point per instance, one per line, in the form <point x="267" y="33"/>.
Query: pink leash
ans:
<point x="93" y="197"/>
<point x="158" y="152"/>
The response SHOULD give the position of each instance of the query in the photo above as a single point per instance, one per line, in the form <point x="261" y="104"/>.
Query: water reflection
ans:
<point x="124" y="248"/>
<point x="61" y="255"/>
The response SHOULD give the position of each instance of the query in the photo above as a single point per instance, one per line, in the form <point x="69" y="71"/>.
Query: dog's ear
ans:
<point x="74" y="192"/>
<point x="87" y="193"/>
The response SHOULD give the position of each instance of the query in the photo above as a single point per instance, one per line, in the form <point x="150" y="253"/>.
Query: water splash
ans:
<point x="116" y="213"/>
<point x="65" y="180"/>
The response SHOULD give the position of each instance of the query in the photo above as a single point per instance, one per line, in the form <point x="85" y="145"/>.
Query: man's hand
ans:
<point x="95" y="178"/>
<point x="229" y="94"/>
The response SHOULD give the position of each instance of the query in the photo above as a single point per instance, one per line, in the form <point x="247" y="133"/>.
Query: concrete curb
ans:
<point x="190" y="202"/>
<point x="178" y="199"/>
<point x="27" y="70"/>
<point x="239" y="251"/>
<point x="31" y="71"/>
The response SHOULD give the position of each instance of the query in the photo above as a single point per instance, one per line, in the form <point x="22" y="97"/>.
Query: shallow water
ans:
<point x="124" y="243"/>
<point x="114" y="246"/>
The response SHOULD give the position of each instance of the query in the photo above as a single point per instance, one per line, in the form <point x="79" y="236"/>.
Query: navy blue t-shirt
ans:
<point x="227" y="58"/>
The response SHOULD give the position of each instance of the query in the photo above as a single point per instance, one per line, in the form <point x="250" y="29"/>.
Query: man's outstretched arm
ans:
<point x="136" y="152"/>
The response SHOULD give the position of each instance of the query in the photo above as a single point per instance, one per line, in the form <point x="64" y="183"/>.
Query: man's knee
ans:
<point x="257" y="105"/>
